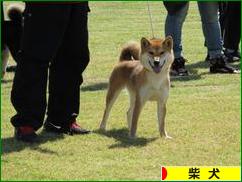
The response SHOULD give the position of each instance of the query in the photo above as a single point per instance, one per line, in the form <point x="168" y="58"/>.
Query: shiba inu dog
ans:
<point x="144" y="70"/>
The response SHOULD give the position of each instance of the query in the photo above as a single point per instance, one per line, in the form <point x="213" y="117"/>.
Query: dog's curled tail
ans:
<point x="15" y="13"/>
<point x="130" y="51"/>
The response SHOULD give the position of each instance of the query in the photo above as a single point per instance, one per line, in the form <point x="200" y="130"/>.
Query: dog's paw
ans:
<point x="167" y="137"/>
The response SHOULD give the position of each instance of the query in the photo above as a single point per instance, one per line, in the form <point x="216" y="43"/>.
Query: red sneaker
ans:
<point x="77" y="129"/>
<point x="25" y="134"/>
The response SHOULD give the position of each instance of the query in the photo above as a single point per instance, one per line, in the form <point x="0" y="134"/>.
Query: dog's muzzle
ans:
<point x="157" y="67"/>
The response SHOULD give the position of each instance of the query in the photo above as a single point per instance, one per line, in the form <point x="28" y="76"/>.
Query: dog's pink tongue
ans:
<point x="157" y="69"/>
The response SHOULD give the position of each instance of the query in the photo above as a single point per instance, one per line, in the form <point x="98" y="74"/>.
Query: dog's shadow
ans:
<point x="95" y="87"/>
<point x="10" y="144"/>
<point x="123" y="139"/>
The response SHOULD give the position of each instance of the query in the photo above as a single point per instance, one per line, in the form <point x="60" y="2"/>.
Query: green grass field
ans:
<point x="203" y="114"/>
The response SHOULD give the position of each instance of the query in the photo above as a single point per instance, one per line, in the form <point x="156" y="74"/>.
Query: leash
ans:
<point x="151" y="23"/>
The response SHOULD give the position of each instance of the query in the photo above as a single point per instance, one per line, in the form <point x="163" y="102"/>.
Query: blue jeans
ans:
<point x="210" y="25"/>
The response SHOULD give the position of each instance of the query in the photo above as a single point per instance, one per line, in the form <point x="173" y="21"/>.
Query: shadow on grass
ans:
<point x="95" y="87"/>
<point x="205" y="65"/>
<point x="193" y="70"/>
<point x="123" y="139"/>
<point x="10" y="144"/>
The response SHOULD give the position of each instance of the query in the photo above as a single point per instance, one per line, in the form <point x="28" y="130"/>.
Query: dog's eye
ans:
<point x="151" y="53"/>
<point x="162" y="52"/>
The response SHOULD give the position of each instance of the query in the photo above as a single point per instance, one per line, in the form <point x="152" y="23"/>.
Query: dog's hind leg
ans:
<point x="110" y="99"/>
<point x="136" y="112"/>
<point x="131" y="108"/>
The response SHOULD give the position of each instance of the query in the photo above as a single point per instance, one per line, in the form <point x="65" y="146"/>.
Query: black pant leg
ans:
<point x="13" y="33"/>
<point x="66" y="71"/>
<point x="222" y="16"/>
<point x="44" y="27"/>
<point x="232" y="26"/>
<point x="28" y="94"/>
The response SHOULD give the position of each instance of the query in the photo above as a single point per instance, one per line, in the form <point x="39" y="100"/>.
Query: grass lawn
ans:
<point x="203" y="114"/>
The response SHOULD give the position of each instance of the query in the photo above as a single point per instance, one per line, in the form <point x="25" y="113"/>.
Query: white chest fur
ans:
<point x="157" y="87"/>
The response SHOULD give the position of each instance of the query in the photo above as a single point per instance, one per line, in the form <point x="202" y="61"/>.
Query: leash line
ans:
<point x="151" y="23"/>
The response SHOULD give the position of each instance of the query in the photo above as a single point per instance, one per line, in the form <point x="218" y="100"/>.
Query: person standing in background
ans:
<point x="177" y="12"/>
<point x="230" y="13"/>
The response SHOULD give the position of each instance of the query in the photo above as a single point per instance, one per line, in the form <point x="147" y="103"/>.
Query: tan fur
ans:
<point x="130" y="51"/>
<point x="143" y="80"/>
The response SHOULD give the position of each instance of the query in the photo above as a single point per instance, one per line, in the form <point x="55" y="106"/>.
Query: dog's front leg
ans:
<point x="136" y="112"/>
<point x="161" y="112"/>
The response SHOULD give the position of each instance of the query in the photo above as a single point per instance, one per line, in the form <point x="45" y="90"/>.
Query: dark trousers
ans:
<point x="11" y="32"/>
<point x="222" y="15"/>
<point x="232" y="25"/>
<point x="64" y="71"/>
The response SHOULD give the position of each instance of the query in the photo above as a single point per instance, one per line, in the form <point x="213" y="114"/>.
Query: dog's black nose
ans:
<point x="156" y="63"/>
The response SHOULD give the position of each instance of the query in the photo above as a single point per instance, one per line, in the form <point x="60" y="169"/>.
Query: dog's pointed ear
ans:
<point x="168" y="43"/>
<point x="144" y="43"/>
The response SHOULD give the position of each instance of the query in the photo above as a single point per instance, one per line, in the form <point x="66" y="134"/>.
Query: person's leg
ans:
<point x="173" y="26"/>
<point x="66" y="72"/>
<point x="211" y="27"/>
<point x="232" y="31"/>
<point x="222" y="15"/>
<point x="28" y="94"/>
<point x="212" y="34"/>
